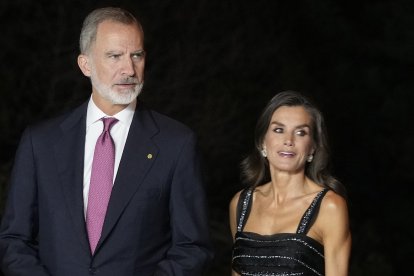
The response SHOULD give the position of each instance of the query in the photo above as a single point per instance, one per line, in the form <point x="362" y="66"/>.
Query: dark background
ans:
<point x="214" y="64"/>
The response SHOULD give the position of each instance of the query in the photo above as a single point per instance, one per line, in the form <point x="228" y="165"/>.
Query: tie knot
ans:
<point x="109" y="122"/>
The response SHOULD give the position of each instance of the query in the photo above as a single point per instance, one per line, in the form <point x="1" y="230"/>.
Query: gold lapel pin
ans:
<point x="149" y="156"/>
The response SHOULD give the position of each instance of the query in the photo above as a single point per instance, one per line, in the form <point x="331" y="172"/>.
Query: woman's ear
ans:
<point x="264" y="151"/>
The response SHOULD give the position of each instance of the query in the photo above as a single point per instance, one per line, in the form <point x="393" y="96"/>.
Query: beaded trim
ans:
<point x="279" y="257"/>
<point x="244" y="209"/>
<point x="306" y="218"/>
<point x="272" y="274"/>
<point x="284" y="240"/>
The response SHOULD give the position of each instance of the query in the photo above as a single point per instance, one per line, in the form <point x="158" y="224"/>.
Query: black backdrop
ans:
<point x="214" y="64"/>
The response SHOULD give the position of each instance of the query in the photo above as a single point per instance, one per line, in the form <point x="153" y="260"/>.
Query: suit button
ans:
<point x="93" y="271"/>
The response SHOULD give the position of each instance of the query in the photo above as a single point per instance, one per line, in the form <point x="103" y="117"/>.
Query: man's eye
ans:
<point x="138" y="56"/>
<point x="114" y="56"/>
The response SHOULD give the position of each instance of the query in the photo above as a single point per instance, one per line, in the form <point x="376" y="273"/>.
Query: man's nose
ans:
<point x="128" y="68"/>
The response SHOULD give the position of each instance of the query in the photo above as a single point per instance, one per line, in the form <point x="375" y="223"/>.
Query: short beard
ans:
<point x="124" y="97"/>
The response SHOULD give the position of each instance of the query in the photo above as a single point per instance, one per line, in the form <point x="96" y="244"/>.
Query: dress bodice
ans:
<point x="282" y="254"/>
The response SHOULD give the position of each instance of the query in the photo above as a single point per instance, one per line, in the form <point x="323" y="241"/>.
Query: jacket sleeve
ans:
<point x="191" y="250"/>
<point x="19" y="227"/>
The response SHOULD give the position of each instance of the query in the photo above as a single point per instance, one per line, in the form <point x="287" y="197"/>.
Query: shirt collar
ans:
<point x="124" y="116"/>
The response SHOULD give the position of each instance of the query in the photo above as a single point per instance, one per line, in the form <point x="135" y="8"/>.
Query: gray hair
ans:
<point x="91" y="22"/>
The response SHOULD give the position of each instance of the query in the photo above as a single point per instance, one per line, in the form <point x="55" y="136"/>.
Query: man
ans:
<point x="62" y="219"/>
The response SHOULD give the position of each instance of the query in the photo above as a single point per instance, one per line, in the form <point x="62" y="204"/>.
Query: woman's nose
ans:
<point x="288" y="141"/>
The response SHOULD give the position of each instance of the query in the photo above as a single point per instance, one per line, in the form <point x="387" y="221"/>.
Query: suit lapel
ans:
<point x="69" y="150"/>
<point x="139" y="154"/>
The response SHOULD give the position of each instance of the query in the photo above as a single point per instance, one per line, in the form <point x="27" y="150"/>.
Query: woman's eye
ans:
<point x="278" y="130"/>
<point x="301" y="132"/>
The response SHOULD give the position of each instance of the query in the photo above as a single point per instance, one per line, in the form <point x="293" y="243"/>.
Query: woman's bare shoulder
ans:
<point x="235" y="199"/>
<point x="333" y="203"/>
<point x="333" y="213"/>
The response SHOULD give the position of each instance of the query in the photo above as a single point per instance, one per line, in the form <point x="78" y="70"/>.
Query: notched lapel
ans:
<point x="139" y="155"/>
<point x="69" y="152"/>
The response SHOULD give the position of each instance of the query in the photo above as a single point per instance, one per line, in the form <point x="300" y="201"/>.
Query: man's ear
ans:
<point x="84" y="64"/>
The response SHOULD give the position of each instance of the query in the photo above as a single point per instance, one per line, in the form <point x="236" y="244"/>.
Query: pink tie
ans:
<point x="101" y="183"/>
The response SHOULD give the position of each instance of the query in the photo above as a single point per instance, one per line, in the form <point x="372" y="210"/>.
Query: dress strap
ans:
<point x="243" y="208"/>
<point x="311" y="213"/>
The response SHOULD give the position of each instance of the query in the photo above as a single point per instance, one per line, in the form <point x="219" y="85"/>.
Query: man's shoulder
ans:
<point x="166" y="123"/>
<point x="55" y="122"/>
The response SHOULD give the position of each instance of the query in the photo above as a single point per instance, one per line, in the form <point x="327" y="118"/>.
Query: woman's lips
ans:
<point x="286" y="154"/>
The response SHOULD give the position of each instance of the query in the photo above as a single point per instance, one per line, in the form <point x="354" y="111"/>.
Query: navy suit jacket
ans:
<point x="156" y="222"/>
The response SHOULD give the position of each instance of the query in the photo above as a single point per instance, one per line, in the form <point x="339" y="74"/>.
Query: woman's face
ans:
<point x="288" y="140"/>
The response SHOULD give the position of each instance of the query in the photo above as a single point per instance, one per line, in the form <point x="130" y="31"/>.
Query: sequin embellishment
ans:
<point x="282" y="254"/>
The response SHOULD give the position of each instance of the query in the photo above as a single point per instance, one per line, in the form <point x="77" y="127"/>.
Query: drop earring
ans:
<point x="310" y="158"/>
<point x="264" y="153"/>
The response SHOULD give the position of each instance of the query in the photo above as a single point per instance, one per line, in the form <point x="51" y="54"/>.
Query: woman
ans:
<point x="293" y="217"/>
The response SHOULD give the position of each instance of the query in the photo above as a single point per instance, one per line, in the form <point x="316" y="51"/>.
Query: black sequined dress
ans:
<point x="283" y="254"/>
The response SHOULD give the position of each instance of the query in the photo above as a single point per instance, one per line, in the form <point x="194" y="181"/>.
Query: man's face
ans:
<point x="116" y="62"/>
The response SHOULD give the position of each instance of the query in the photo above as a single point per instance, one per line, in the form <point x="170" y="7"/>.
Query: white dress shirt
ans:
<point x="94" y="128"/>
